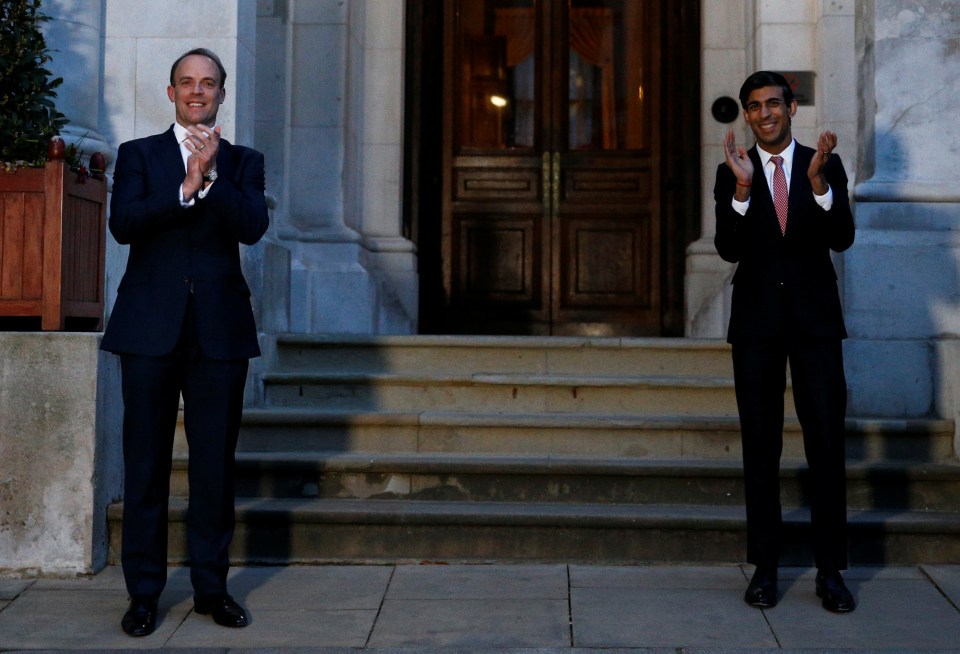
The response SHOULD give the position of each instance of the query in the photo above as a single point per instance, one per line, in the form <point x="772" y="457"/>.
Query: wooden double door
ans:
<point x="551" y="169"/>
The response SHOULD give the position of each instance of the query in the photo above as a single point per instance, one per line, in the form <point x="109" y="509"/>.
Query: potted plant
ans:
<point x="54" y="218"/>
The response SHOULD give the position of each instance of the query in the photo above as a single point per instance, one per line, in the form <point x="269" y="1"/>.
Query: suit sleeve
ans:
<point x="140" y="205"/>
<point x="238" y="202"/>
<point x="837" y="224"/>
<point x="728" y="238"/>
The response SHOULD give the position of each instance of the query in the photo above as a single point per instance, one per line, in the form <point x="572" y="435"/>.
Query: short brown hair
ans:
<point x="209" y="54"/>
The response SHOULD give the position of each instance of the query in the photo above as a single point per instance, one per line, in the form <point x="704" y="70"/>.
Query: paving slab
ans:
<point x="111" y="578"/>
<point x="947" y="579"/>
<point x="655" y="576"/>
<point x="466" y="582"/>
<point x="309" y="588"/>
<point x="526" y="609"/>
<point x="80" y="618"/>
<point x="667" y="617"/>
<point x="892" y="613"/>
<point x="276" y="629"/>
<point x="472" y="623"/>
<point x="10" y="588"/>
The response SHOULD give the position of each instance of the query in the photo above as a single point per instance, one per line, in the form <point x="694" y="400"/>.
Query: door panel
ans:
<point x="495" y="255"/>
<point x="551" y="192"/>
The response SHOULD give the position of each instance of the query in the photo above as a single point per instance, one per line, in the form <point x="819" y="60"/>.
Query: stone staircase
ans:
<point x="543" y="449"/>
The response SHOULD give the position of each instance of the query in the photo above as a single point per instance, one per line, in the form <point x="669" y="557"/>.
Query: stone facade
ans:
<point x="317" y="85"/>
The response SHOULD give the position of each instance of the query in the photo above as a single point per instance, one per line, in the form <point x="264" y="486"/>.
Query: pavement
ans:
<point x="496" y="608"/>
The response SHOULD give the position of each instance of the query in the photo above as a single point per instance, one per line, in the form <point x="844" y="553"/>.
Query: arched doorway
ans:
<point x="547" y="189"/>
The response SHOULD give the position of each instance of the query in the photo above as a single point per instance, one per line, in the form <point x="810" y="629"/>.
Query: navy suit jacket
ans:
<point x="176" y="251"/>
<point x="785" y="285"/>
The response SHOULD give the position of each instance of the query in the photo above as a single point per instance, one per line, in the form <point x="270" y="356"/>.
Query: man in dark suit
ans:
<point x="781" y="207"/>
<point x="183" y="201"/>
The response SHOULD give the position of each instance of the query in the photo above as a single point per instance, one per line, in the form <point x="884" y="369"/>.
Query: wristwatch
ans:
<point x="211" y="175"/>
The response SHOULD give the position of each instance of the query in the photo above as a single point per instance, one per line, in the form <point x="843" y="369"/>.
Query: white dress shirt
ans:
<point x="825" y="200"/>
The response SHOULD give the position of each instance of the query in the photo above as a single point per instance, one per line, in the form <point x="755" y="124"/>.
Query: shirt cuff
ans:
<point x="184" y="203"/>
<point x="741" y="207"/>
<point x="826" y="200"/>
<point x="203" y="192"/>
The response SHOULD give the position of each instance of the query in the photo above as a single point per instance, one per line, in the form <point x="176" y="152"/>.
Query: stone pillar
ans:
<point x="350" y="268"/>
<point x="902" y="280"/>
<point x="375" y="126"/>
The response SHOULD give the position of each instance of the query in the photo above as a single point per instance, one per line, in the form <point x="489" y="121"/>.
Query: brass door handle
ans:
<point x="550" y="172"/>
<point x="555" y="183"/>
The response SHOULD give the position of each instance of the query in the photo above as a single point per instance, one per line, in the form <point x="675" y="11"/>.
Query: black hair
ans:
<point x="204" y="52"/>
<point x="761" y="79"/>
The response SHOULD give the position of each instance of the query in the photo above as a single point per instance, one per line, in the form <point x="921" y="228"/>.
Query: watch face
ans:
<point x="212" y="175"/>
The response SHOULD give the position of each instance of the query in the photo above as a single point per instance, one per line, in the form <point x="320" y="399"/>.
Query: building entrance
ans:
<point x="547" y="174"/>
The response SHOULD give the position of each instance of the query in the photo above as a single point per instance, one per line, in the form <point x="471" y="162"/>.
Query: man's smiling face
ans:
<point x="196" y="91"/>
<point x="769" y="117"/>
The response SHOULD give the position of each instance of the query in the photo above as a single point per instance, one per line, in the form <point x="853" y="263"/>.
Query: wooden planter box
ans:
<point x="52" y="239"/>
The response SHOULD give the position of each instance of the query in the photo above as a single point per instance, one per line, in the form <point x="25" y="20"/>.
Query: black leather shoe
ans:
<point x="762" y="591"/>
<point x="224" y="610"/>
<point x="141" y="617"/>
<point x="833" y="592"/>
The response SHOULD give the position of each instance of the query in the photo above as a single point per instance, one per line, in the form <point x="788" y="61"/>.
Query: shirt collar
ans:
<point x="787" y="155"/>
<point x="180" y="132"/>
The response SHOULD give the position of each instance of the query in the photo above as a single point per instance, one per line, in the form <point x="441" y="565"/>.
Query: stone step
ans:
<point x="503" y="354"/>
<point x="521" y="448"/>
<point x="480" y="478"/>
<point x="602" y="435"/>
<point x="506" y="393"/>
<point x="294" y="531"/>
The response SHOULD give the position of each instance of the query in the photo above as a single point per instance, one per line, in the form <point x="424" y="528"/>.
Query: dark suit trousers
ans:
<point x="820" y="396"/>
<point x="213" y="401"/>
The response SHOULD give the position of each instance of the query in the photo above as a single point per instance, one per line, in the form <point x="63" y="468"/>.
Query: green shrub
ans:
<point x="28" y="117"/>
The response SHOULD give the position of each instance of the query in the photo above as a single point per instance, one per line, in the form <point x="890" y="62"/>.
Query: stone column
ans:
<point x="902" y="280"/>
<point x="350" y="269"/>
<point x="375" y="126"/>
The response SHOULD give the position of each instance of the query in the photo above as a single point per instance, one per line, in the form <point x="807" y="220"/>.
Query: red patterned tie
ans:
<point x="780" y="193"/>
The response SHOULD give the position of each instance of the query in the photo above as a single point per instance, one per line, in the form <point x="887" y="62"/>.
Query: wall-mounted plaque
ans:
<point x="802" y="83"/>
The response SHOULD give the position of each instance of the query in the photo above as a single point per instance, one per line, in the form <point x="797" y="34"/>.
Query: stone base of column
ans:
<point x="707" y="291"/>
<point x="901" y="298"/>
<point x="337" y="285"/>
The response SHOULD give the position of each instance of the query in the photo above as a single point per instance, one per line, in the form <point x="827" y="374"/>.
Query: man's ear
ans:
<point x="793" y="108"/>
<point x="170" y="93"/>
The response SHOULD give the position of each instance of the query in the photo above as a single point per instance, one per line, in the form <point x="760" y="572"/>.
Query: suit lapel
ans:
<point x="168" y="155"/>
<point x="225" y="160"/>
<point x="799" y="185"/>
<point x="761" y="191"/>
